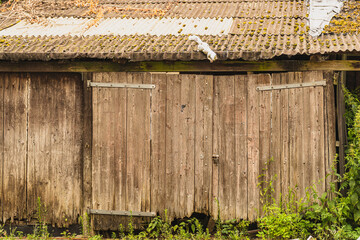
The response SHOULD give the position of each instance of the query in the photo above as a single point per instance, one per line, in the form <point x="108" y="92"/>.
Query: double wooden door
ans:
<point x="195" y="138"/>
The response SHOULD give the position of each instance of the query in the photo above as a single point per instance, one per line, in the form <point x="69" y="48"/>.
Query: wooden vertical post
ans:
<point x="87" y="150"/>
<point x="341" y="120"/>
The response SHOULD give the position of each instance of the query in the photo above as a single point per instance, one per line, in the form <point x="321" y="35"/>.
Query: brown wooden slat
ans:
<point x="292" y="125"/>
<point x="299" y="175"/>
<point x="320" y="125"/>
<point x="330" y="119"/>
<point x="274" y="171"/>
<point x="203" y="142"/>
<point x="227" y="167"/>
<point x="138" y="123"/>
<point x="87" y="147"/>
<point x="264" y="130"/>
<point x="101" y="144"/>
<point x="253" y="147"/>
<point x="284" y="167"/>
<point x="120" y="154"/>
<point x="55" y="133"/>
<point x="241" y="146"/>
<point x="216" y="151"/>
<point x="172" y="146"/>
<point x="15" y="135"/>
<point x="2" y="90"/>
<point x="158" y="144"/>
<point x="181" y="66"/>
<point x="306" y="134"/>
<point x="186" y="114"/>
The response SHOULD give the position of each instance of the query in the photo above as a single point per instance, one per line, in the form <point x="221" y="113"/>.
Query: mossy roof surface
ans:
<point x="261" y="29"/>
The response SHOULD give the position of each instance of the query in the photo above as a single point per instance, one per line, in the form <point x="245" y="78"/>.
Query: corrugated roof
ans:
<point x="120" y="26"/>
<point x="236" y="29"/>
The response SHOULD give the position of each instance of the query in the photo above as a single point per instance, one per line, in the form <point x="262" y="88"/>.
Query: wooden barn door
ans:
<point x="280" y="125"/>
<point x="121" y="142"/>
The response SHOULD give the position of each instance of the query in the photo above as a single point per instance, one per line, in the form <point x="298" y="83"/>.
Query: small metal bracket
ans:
<point x="290" y="86"/>
<point x="120" y="85"/>
<point x="121" y="213"/>
<point x="215" y="159"/>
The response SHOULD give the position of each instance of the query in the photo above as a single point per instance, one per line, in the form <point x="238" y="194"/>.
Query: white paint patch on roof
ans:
<point x="320" y="14"/>
<point x="121" y="26"/>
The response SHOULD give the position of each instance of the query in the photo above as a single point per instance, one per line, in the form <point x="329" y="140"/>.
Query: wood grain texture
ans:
<point x="138" y="145"/>
<point x="214" y="209"/>
<point x="86" y="167"/>
<point x="264" y="132"/>
<point x="253" y="147"/>
<point x="172" y="142"/>
<point x="241" y="146"/>
<point x="15" y="135"/>
<point x="274" y="171"/>
<point x="55" y="140"/>
<point x="320" y="128"/>
<point x="187" y="116"/>
<point x="292" y="110"/>
<point x="284" y="108"/>
<point x="226" y="142"/>
<point x="203" y="142"/>
<point x="2" y="91"/>
<point x="330" y="119"/>
<point x="158" y="144"/>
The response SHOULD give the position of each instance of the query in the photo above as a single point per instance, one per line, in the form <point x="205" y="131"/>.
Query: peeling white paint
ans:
<point x="121" y="26"/>
<point x="320" y="14"/>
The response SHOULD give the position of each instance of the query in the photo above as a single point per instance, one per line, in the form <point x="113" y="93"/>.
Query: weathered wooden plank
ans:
<point x="299" y="174"/>
<point x="284" y="167"/>
<point x="274" y="172"/>
<point x="341" y="123"/>
<point x="158" y="144"/>
<point x="320" y="125"/>
<point x="264" y="131"/>
<point x="55" y="140"/>
<point x="14" y="146"/>
<point x="306" y="134"/>
<point x="227" y="167"/>
<point x="216" y="151"/>
<point x="187" y="116"/>
<point x="253" y="147"/>
<point x="136" y="136"/>
<point x="172" y="146"/>
<point x="203" y="142"/>
<point x="121" y="213"/>
<point x="292" y="121"/>
<point x="2" y="90"/>
<point x="120" y="149"/>
<point x="181" y="66"/>
<point x="104" y="146"/>
<point x="241" y="146"/>
<point x="330" y="120"/>
<point x="86" y="181"/>
<point x="146" y="100"/>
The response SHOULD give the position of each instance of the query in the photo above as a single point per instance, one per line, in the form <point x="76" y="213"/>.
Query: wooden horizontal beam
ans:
<point x="121" y="213"/>
<point x="180" y="66"/>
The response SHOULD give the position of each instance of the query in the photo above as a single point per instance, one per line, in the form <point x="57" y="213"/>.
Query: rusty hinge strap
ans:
<point x="120" y="85"/>
<point x="293" y="85"/>
<point x="121" y="213"/>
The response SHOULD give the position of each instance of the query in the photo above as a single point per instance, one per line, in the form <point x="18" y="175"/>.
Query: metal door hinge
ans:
<point x="120" y="85"/>
<point x="290" y="86"/>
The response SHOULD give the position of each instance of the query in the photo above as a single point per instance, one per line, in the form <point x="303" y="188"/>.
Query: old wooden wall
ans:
<point x="193" y="138"/>
<point x="199" y="137"/>
<point x="41" y="146"/>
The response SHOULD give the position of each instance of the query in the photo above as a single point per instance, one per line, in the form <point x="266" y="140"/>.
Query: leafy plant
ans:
<point x="40" y="229"/>
<point x="85" y="224"/>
